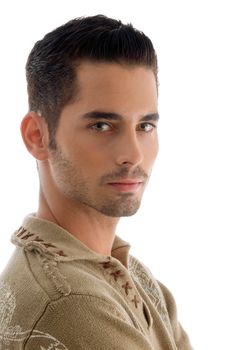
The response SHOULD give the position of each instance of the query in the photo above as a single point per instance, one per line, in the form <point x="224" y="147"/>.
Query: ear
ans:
<point x="34" y="131"/>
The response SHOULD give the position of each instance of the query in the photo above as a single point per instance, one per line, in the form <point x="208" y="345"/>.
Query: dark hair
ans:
<point x="50" y="68"/>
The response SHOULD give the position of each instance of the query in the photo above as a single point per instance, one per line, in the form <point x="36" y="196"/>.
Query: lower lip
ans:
<point x="130" y="187"/>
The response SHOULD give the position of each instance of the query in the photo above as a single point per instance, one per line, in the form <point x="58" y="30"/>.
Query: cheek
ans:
<point x="150" y="152"/>
<point x="151" y="148"/>
<point x="90" y="159"/>
<point x="156" y="149"/>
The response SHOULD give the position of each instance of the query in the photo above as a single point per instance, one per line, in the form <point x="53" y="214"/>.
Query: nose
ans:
<point x="129" y="150"/>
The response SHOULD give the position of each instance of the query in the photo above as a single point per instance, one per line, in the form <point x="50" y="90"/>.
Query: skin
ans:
<point x="102" y="162"/>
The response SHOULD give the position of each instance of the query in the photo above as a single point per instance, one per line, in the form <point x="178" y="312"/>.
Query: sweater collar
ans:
<point x="54" y="241"/>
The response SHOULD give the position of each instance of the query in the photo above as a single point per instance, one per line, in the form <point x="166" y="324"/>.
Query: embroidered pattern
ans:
<point x="126" y="286"/>
<point x="12" y="335"/>
<point x="23" y="234"/>
<point x="107" y="264"/>
<point x="135" y="301"/>
<point x="46" y="250"/>
<point x="143" y="276"/>
<point x="7" y="307"/>
<point x="58" y="280"/>
<point x="116" y="274"/>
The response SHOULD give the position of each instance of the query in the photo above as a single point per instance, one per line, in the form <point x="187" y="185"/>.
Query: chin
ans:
<point x="120" y="211"/>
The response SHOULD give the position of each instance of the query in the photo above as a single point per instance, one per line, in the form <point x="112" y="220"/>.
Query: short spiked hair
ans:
<point x="51" y="65"/>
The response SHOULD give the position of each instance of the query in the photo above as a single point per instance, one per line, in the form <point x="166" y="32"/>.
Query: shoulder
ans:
<point x="157" y="291"/>
<point x="41" y="299"/>
<point x="158" y="294"/>
<point x="22" y="300"/>
<point x="162" y="299"/>
<point x="141" y="273"/>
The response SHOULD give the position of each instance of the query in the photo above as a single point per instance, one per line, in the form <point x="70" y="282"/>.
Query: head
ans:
<point x="91" y="125"/>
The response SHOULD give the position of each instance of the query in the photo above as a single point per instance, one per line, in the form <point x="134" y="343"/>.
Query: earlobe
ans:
<point x="34" y="132"/>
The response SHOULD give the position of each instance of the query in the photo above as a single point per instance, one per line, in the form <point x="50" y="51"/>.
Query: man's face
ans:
<point x="107" y="139"/>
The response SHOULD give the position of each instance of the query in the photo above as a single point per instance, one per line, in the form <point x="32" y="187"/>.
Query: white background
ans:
<point x="184" y="227"/>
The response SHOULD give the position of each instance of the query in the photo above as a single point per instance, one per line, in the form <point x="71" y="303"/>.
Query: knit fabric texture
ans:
<point x="56" y="293"/>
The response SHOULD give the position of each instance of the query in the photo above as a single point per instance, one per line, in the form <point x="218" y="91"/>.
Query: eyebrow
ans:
<point x="115" y="116"/>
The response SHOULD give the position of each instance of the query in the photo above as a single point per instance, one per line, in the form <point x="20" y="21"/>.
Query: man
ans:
<point x="92" y="128"/>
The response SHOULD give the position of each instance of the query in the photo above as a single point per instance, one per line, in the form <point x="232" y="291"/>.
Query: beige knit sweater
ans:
<point x="57" y="294"/>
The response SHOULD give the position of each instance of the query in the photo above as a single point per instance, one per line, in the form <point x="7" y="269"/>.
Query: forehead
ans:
<point x="103" y="85"/>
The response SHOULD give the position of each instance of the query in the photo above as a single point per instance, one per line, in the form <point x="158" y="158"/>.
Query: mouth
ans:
<point x="127" y="185"/>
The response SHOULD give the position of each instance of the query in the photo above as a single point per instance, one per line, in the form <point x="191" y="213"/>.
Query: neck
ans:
<point x="92" y="228"/>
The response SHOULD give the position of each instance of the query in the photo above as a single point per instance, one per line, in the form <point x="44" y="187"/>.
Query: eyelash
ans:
<point x="153" y="126"/>
<point x="93" y="126"/>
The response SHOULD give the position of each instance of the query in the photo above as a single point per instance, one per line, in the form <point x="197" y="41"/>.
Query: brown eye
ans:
<point x="146" y="127"/>
<point x="101" y="126"/>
